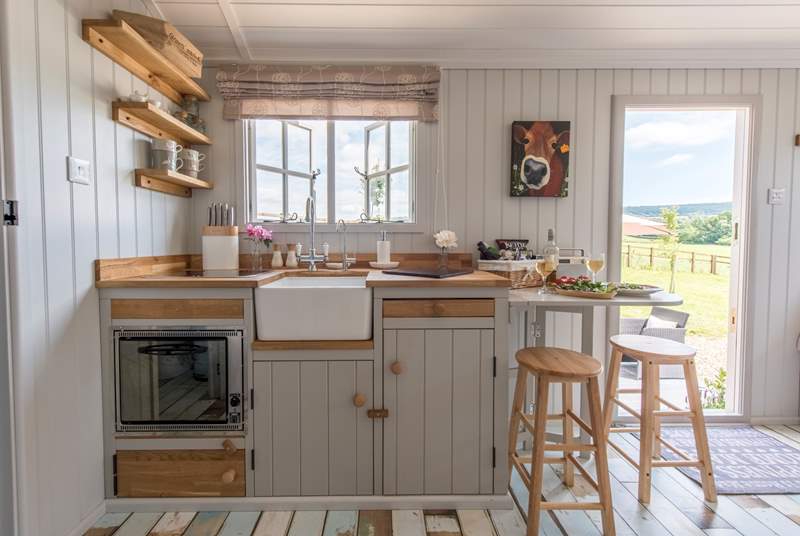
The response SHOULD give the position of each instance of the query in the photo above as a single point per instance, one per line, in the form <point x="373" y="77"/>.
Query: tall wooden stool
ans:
<point x="555" y="365"/>
<point x="652" y="352"/>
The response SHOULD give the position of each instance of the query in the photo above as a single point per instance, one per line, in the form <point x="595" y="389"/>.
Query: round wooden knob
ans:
<point x="229" y="476"/>
<point x="229" y="447"/>
<point x="359" y="400"/>
<point x="397" y="368"/>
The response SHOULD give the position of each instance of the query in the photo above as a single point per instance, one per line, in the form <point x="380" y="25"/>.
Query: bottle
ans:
<point x="277" y="258"/>
<point x="551" y="254"/>
<point x="291" y="256"/>
<point x="384" y="249"/>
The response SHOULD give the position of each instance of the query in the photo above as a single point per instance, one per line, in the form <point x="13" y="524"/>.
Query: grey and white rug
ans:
<point x="746" y="461"/>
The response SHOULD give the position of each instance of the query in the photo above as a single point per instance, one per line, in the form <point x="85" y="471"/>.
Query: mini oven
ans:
<point x="176" y="379"/>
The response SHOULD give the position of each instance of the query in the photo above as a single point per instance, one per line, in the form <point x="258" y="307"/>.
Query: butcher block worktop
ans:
<point x="175" y="271"/>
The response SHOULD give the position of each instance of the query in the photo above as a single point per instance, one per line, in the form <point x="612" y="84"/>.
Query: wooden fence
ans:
<point x="695" y="259"/>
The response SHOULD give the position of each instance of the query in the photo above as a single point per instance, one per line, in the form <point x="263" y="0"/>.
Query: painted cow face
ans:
<point x="542" y="158"/>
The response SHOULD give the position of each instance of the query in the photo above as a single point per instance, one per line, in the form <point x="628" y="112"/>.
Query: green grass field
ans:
<point x="705" y="295"/>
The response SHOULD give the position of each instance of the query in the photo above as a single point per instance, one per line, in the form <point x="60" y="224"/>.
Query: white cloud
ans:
<point x="681" y="129"/>
<point x="674" y="160"/>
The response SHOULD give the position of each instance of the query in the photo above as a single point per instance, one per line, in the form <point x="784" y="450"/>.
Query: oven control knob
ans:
<point x="235" y="400"/>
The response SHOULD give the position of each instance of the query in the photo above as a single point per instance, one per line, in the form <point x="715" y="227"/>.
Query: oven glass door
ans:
<point x="172" y="380"/>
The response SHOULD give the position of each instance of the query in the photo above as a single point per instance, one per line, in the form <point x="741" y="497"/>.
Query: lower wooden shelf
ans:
<point x="169" y="182"/>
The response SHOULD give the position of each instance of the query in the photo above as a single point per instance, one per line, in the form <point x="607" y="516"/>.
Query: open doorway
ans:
<point x="682" y="183"/>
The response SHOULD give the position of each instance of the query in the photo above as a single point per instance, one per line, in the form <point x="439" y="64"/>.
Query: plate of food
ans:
<point x="636" y="289"/>
<point x="582" y="287"/>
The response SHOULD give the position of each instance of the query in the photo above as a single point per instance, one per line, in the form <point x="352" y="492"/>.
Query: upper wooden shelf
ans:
<point x="169" y="182"/>
<point x="155" y="122"/>
<point x="120" y="42"/>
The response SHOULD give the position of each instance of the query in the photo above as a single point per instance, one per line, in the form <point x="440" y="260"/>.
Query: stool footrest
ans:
<point x="624" y="454"/>
<point x="627" y="408"/>
<point x="570" y="506"/>
<point x="624" y="430"/>
<point x="677" y="463"/>
<point x="672" y="447"/>
<point x="580" y="422"/>
<point x="582" y="470"/>
<point x="629" y="391"/>
<point x="669" y="404"/>
<point x="681" y="413"/>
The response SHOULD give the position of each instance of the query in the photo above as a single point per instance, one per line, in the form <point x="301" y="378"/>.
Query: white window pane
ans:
<point x="377" y="197"/>
<point x="399" y="143"/>
<point x="269" y="148"/>
<point x="269" y="202"/>
<point x="376" y="150"/>
<point x="298" y="193"/>
<point x="298" y="143"/>
<point x="401" y="200"/>
<point x="349" y="149"/>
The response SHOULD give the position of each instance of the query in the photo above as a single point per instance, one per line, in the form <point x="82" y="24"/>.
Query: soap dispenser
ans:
<point x="384" y="249"/>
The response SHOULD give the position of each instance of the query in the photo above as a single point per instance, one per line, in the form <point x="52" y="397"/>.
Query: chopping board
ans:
<point x="432" y="273"/>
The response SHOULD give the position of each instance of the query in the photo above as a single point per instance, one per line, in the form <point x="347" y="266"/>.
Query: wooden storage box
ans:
<point x="165" y="38"/>
<point x="180" y="473"/>
<point x="521" y="273"/>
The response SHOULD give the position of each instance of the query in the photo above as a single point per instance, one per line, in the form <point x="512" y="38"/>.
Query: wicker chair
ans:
<point x="636" y="326"/>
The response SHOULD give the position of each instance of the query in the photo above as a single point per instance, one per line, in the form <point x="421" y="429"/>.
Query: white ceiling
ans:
<point x="505" y="33"/>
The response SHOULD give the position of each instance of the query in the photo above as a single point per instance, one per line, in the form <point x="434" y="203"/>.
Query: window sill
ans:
<point x="373" y="228"/>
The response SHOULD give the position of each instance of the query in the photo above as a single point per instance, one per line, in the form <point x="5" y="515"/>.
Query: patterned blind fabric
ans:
<point x="330" y="91"/>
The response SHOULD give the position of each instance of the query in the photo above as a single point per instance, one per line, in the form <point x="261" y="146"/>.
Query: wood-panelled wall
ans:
<point x="58" y="94"/>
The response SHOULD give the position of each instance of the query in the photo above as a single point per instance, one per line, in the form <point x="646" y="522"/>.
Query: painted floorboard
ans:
<point x="507" y="522"/>
<point x="273" y="524"/>
<point x="206" y="524"/>
<point x="341" y="523"/>
<point x="408" y="523"/>
<point x="475" y="523"/>
<point x="375" y="523"/>
<point x="139" y="524"/>
<point x="107" y="524"/>
<point x="172" y="524"/>
<point x="307" y="523"/>
<point x="240" y="524"/>
<point x="442" y="524"/>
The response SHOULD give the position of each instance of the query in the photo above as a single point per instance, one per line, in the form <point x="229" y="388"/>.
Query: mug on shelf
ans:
<point x="191" y="154"/>
<point x="167" y="145"/>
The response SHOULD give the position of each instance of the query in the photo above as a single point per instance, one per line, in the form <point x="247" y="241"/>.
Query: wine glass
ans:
<point x="595" y="263"/>
<point x="545" y="267"/>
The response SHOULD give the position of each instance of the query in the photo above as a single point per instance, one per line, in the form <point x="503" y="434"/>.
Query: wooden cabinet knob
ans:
<point x="229" y="447"/>
<point x="229" y="476"/>
<point x="359" y="400"/>
<point x="397" y="368"/>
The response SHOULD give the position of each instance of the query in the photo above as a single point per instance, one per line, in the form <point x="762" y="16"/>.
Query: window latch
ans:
<point x="10" y="212"/>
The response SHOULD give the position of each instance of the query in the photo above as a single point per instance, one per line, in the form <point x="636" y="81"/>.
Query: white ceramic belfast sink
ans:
<point x="314" y="308"/>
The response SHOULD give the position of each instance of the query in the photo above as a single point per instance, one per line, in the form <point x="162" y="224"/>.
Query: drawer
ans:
<point x="180" y="473"/>
<point x="438" y="308"/>
<point x="172" y="309"/>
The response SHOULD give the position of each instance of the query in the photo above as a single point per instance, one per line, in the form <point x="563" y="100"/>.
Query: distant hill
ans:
<point x="695" y="209"/>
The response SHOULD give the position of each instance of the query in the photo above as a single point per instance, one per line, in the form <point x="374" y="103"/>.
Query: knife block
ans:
<point x="220" y="248"/>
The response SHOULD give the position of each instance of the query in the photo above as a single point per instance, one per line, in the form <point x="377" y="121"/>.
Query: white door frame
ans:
<point x="752" y="103"/>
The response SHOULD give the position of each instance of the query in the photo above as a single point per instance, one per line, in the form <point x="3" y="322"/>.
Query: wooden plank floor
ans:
<point x="677" y="508"/>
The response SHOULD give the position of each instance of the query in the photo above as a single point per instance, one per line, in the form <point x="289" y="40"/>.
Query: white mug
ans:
<point x="167" y="145"/>
<point x="192" y="154"/>
<point x="171" y="165"/>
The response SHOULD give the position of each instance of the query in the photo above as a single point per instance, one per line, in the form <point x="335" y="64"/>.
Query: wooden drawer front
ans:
<point x="438" y="308"/>
<point x="180" y="473"/>
<point x="155" y="309"/>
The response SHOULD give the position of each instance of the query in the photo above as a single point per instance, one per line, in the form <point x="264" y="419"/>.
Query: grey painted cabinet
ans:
<point x="309" y="437"/>
<point x="439" y="434"/>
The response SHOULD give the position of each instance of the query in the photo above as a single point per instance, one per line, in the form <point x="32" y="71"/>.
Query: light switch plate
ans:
<point x="78" y="171"/>
<point x="776" y="196"/>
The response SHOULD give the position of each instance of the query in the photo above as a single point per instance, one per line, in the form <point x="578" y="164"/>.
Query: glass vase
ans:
<point x="443" y="260"/>
<point x="255" y="255"/>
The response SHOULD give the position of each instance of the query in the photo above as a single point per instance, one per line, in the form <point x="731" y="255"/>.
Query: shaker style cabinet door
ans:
<point x="439" y="390"/>
<point x="311" y="433"/>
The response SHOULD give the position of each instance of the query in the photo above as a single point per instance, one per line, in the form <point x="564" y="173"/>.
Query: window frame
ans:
<point x="417" y="207"/>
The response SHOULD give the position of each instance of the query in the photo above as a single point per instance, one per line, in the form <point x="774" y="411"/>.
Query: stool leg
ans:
<point x="516" y="409"/>
<point x="699" y="428"/>
<point x="646" y="433"/>
<point x="601" y="457"/>
<point x="537" y="459"/>
<point x="657" y="407"/>
<point x="612" y="384"/>
<point x="566" y="404"/>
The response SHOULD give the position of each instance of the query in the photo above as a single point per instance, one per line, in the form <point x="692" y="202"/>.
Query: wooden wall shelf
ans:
<point x="120" y="42"/>
<point x="169" y="182"/>
<point x="155" y="122"/>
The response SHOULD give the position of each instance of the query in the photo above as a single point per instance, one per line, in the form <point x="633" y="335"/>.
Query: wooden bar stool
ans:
<point x="652" y="352"/>
<point x="556" y="365"/>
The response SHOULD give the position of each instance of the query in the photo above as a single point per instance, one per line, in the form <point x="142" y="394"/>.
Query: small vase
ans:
<point x="443" y="260"/>
<point x="255" y="256"/>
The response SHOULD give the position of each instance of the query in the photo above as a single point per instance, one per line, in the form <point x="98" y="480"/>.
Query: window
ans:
<point x="365" y="171"/>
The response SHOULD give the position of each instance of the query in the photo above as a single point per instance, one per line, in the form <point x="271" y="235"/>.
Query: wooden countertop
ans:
<point x="375" y="278"/>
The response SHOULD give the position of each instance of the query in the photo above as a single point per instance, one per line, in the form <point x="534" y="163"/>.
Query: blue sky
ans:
<point x="678" y="157"/>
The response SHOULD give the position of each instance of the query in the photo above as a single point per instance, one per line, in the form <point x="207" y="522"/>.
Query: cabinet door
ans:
<point x="438" y="436"/>
<point x="309" y="438"/>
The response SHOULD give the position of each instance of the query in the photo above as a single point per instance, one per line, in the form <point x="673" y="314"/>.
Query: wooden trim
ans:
<point x="218" y="230"/>
<point x="120" y="42"/>
<point x="174" y="177"/>
<point x="171" y="309"/>
<point x="158" y="185"/>
<point x="156" y="123"/>
<point x="313" y="345"/>
<point x="180" y="473"/>
<point x="438" y="308"/>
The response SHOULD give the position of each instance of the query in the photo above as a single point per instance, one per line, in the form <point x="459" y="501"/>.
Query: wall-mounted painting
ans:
<point x="539" y="158"/>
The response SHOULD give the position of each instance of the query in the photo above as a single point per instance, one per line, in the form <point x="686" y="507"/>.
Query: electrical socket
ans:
<point x="79" y="171"/>
<point x="776" y="196"/>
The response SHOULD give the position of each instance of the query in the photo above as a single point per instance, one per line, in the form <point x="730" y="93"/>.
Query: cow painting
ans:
<point x="539" y="158"/>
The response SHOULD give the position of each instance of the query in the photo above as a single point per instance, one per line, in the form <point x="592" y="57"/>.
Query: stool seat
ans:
<point x="559" y="362"/>
<point x="652" y="348"/>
